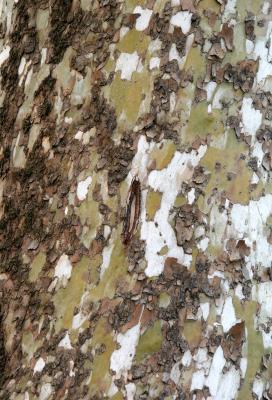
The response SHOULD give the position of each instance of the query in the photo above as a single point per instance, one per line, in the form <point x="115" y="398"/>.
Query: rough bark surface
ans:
<point x="135" y="199"/>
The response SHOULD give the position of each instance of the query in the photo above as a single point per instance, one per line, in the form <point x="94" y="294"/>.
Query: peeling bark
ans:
<point x="135" y="199"/>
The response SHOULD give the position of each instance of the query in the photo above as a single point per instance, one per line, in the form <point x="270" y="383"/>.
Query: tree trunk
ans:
<point x="135" y="199"/>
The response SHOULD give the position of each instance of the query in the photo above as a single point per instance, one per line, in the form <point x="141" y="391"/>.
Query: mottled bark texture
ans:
<point x="135" y="199"/>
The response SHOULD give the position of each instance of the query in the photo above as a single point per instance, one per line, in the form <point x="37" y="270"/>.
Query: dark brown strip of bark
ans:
<point x="133" y="211"/>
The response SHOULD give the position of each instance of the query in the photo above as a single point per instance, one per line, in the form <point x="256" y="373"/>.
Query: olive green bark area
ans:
<point x="254" y="345"/>
<point x="150" y="342"/>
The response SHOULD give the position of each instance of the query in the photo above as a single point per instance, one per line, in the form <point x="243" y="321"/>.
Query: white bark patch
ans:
<point x="263" y="53"/>
<point x="243" y="367"/>
<point x="130" y="391"/>
<point x="83" y="187"/>
<point x="251" y="118"/>
<point x="229" y="385"/>
<point x="174" y="55"/>
<point x="140" y="160"/>
<point x="191" y="196"/>
<point x="121" y="359"/>
<point x="187" y="358"/>
<point x="175" y="372"/>
<point x="154" y="63"/>
<point x="258" y="388"/>
<point x="46" y="391"/>
<point x="265" y="8"/>
<point x="183" y="20"/>
<point x="39" y="366"/>
<point x="106" y="254"/>
<point x="263" y="294"/>
<point x="203" y="244"/>
<point x="210" y="88"/>
<point x="65" y="342"/>
<point x="143" y="20"/>
<point x="63" y="269"/>
<point x="4" y="55"/>
<point x="198" y="380"/>
<point x="230" y="9"/>
<point x="248" y="223"/>
<point x="202" y="360"/>
<point x="128" y="63"/>
<point x="215" y="373"/>
<point x="205" y="309"/>
<point x="84" y="312"/>
<point x="218" y="223"/>
<point x="159" y="233"/>
<point x="228" y="318"/>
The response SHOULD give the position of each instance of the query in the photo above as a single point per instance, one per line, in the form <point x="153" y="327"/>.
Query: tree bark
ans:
<point x="135" y="199"/>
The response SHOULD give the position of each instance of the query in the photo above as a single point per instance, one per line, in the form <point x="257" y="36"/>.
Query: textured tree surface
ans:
<point x="135" y="199"/>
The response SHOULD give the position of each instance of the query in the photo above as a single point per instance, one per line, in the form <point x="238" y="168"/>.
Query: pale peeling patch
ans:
<point x="202" y="360"/>
<point x="174" y="55"/>
<point x="140" y="160"/>
<point x="106" y="254"/>
<point x="187" y="358"/>
<point x="191" y="196"/>
<point x="79" y="135"/>
<point x="205" y="309"/>
<point x="43" y="55"/>
<point x="258" y="388"/>
<point x="249" y="46"/>
<point x="154" y="63"/>
<point x="243" y="367"/>
<point x="39" y="366"/>
<point x="251" y="118"/>
<point x="84" y="312"/>
<point x="128" y="63"/>
<point x="267" y="340"/>
<point x="63" y="269"/>
<point x="230" y="8"/>
<point x="121" y="359"/>
<point x="4" y="55"/>
<point x="263" y="53"/>
<point x="198" y="380"/>
<point x="21" y="66"/>
<point x="248" y="223"/>
<point x="218" y="223"/>
<point x="175" y="373"/>
<point x="83" y="187"/>
<point x="265" y="7"/>
<point x="143" y="20"/>
<point x="183" y="20"/>
<point x="18" y="154"/>
<point x="218" y="363"/>
<point x="46" y="144"/>
<point x="33" y="136"/>
<point x="159" y="233"/>
<point x="130" y="391"/>
<point x="229" y="385"/>
<point x="65" y="342"/>
<point x="210" y="88"/>
<point x="46" y="391"/>
<point x="228" y="318"/>
<point x="203" y="244"/>
<point x="263" y="294"/>
<point x="239" y="292"/>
